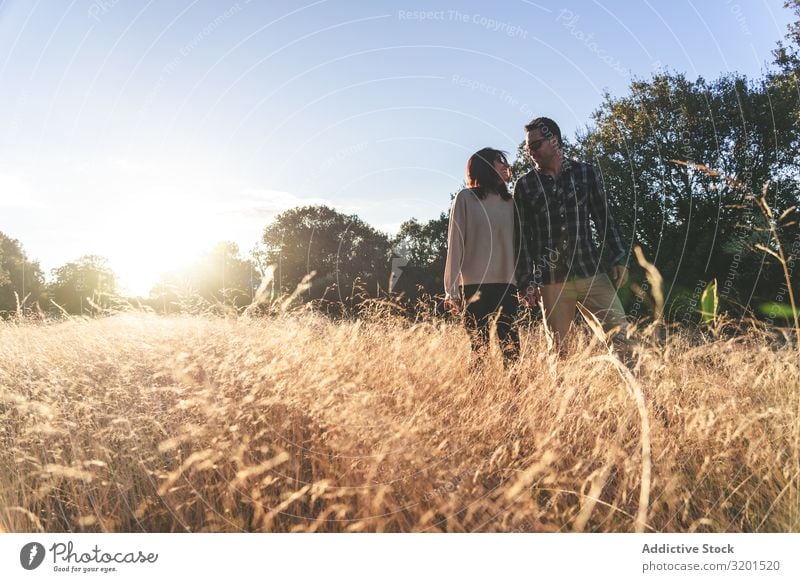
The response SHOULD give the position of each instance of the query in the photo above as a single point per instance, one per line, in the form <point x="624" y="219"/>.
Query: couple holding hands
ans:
<point x="535" y="246"/>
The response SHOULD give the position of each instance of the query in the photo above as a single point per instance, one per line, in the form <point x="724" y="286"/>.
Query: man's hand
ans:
<point x="619" y="275"/>
<point x="453" y="305"/>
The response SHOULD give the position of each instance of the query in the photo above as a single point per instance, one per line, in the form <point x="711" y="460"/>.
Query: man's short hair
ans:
<point x="547" y="126"/>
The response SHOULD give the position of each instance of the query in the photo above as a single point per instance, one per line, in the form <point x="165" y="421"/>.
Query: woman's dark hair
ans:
<point x="481" y="175"/>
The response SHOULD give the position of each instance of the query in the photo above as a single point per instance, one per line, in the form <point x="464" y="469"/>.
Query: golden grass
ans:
<point x="297" y="423"/>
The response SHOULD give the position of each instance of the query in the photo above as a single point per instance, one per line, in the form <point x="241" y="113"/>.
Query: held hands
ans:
<point x="532" y="296"/>
<point x="453" y="305"/>
<point x="619" y="275"/>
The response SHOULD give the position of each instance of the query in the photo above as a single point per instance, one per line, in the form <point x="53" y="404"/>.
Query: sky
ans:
<point x="148" y="131"/>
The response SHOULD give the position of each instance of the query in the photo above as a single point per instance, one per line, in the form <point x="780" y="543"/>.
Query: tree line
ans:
<point x="684" y="161"/>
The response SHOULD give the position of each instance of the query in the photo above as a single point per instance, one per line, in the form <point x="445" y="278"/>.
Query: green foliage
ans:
<point x="219" y="277"/>
<point x="682" y="158"/>
<point x="19" y="277"/>
<point x="709" y="304"/>
<point x="775" y="310"/>
<point x="342" y="249"/>
<point x="85" y="286"/>
<point x="698" y="225"/>
<point x="522" y="163"/>
<point x="426" y="248"/>
<point x="787" y="56"/>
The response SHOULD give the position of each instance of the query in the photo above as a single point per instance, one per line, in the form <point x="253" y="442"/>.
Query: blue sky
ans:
<point x="148" y="131"/>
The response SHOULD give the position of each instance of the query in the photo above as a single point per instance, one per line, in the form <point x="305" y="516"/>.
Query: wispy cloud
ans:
<point x="265" y="203"/>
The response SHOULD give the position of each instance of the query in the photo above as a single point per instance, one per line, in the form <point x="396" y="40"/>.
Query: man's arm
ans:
<point x="611" y="241"/>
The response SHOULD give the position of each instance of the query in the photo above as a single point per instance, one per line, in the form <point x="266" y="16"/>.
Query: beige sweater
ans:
<point x="480" y="242"/>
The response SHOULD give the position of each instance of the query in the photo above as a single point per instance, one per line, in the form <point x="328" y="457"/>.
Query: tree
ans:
<point x="783" y="90"/>
<point x="424" y="245"/>
<point x="658" y="149"/>
<point x="84" y="286"/>
<point x="340" y="248"/>
<point x="18" y="274"/>
<point x="787" y="56"/>
<point x="693" y="224"/>
<point x="220" y="276"/>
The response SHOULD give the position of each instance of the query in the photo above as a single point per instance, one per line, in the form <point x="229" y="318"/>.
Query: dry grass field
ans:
<point x="298" y="423"/>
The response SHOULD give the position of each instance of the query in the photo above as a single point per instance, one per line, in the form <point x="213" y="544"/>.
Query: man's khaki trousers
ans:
<point x="596" y="293"/>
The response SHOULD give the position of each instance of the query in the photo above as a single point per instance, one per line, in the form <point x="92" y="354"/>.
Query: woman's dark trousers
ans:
<point x="497" y="304"/>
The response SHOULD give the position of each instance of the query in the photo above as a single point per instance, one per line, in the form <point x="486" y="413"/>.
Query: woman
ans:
<point x="480" y="253"/>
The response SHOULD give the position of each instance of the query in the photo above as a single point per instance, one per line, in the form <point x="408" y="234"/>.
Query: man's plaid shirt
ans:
<point x="554" y="239"/>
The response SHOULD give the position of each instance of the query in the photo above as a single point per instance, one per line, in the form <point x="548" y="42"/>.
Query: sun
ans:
<point x="143" y="245"/>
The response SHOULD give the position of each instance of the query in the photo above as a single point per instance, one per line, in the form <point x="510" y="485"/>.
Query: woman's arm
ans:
<point x="456" y="233"/>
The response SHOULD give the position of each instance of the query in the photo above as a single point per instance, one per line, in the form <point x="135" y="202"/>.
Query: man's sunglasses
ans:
<point x="535" y="145"/>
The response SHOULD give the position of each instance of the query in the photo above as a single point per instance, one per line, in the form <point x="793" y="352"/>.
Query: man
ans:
<point x="558" y="256"/>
